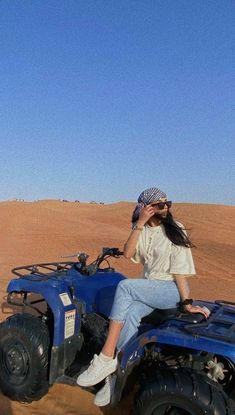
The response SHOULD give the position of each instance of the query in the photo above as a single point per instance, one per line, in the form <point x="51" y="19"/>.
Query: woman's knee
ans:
<point x="124" y="284"/>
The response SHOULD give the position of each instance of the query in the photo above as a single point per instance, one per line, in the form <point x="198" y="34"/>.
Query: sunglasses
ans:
<point x="161" y="205"/>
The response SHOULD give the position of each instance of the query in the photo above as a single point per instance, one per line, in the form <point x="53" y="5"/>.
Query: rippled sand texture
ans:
<point x="43" y="231"/>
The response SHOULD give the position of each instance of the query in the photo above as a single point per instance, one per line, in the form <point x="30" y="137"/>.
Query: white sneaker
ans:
<point x="97" y="371"/>
<point x="103" y="396"/>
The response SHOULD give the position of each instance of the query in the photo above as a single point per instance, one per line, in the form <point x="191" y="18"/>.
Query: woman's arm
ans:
<point x="130" y="245"/>
<point x="183" y="287"/>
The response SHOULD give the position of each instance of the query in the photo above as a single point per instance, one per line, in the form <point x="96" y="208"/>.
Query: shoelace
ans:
<point x="93" y="365"/>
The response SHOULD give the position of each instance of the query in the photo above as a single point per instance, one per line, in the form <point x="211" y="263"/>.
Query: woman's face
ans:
<point x="161" y="208"/>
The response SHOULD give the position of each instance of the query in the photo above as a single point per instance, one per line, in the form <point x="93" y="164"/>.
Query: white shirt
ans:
<point x="160" y="257"/>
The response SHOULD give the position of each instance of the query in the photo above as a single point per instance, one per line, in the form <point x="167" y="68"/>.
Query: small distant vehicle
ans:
<point x="178" y="363"/>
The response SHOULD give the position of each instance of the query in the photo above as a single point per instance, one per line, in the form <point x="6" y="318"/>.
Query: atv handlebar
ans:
<point x="92" y="268"/>
<point x="112" y="252"/>
<point x="42" y="270"/>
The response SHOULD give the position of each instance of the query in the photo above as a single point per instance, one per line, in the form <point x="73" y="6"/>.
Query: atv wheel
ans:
<point x="182" y="393"/>
<point x="24" y="346"/>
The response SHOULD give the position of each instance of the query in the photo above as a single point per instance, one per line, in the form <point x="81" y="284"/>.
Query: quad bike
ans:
<point x="178" y="363"/>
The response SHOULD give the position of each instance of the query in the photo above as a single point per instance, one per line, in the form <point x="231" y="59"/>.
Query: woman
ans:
<point x="161" y="245"/>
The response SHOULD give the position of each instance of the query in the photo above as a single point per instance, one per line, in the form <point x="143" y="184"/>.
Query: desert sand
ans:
<point x="43" y="231"/>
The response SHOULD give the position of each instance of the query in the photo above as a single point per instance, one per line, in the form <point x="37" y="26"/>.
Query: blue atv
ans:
<point x="178" y="363"/>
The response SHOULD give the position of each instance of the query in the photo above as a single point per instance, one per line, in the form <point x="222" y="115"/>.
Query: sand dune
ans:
<point x="43" y="231"/>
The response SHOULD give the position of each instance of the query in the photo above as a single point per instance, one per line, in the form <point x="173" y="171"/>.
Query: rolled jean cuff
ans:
<point x="117" y="320"/>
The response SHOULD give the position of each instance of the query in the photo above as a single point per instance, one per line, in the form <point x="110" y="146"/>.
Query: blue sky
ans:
<point x="101" y="99"/>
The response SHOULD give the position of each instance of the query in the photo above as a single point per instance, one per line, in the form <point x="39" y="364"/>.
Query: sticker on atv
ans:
<point x="69" y="323"/>
<point x="65" y="299"/>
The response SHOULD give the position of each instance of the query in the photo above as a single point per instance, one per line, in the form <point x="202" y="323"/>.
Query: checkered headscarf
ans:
<point x="145" y="198"/>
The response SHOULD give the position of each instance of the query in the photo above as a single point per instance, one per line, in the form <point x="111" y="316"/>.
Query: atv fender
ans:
<point x="67" y="316"/>
<point x="173" y="335"/>
<point x="165" y="334"/>
<point x="65" y="334"/>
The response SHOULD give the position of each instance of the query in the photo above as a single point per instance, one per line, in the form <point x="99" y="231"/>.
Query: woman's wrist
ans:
<point x="186" y="304"/>
<point x="187" y="307"/>
<point x="138" y="226"/>
<point x="140" y="223"/>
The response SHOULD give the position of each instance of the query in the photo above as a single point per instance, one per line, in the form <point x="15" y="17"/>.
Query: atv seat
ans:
<point x="158" y="316"/>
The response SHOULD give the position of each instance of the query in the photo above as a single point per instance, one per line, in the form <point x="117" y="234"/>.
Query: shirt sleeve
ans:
<point x="137" y="258"/>
<point x="181" y="261"/>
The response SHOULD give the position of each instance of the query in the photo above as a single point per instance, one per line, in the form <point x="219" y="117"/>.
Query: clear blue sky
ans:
<point x="103" y="98"/>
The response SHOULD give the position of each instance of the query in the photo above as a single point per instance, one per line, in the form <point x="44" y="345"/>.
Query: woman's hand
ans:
<point x="145" y="214"/>
<point x="183" y="287"/>
<point x="197" y="309"/>
<point x="130" y="245"/>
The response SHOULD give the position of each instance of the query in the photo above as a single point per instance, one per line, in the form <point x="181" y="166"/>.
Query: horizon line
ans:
<point x="95" y="202"/>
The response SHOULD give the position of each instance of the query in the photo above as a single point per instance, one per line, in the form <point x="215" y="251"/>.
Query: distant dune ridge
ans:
<point x="46" y="230"/>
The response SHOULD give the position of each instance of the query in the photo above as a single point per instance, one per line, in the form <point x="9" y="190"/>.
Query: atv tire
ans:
<point x="24" y="348"/>
<point x="175" y="392"/>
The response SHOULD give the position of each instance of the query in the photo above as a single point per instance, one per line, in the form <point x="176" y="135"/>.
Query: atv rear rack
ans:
<point x="217" y="326"/>
<point x="42" y="269"/>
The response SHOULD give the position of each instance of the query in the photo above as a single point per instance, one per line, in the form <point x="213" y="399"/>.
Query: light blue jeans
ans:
<point x="136" y="298"/>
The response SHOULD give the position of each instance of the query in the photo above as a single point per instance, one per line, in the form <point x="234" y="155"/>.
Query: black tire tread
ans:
<point x="196" y="388"/>
<point x="35" y="333"/>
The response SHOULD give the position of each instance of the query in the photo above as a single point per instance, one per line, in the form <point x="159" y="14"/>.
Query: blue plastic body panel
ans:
<point x="216" y="335"/>
<point x="95" y="293"/>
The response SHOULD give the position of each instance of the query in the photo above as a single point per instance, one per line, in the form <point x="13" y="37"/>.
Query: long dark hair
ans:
<point x="175" y="233"/>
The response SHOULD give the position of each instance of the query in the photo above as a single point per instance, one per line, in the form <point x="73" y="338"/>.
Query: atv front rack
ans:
<point x="36" y="273"/>
<point x="220" y="325"/>
<point x="41" y="269"/>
